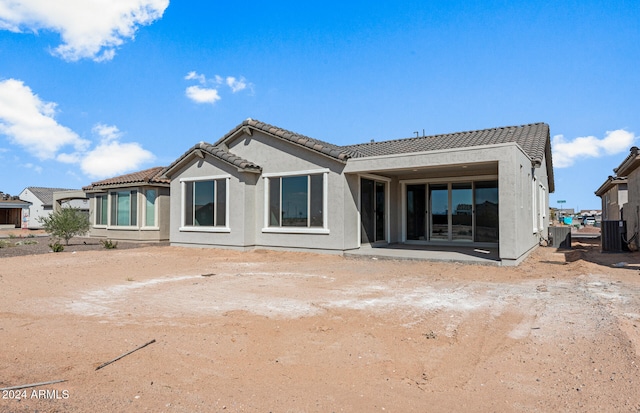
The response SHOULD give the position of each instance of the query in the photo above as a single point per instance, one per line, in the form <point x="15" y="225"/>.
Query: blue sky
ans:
<point x="90" y="90"/>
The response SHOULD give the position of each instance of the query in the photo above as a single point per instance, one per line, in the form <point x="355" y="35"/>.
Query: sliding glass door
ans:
<point x="459" y="211"/>
<point x="462" y="212"/>
<point x="439" y="204"/>
<point x="372" y="210"/>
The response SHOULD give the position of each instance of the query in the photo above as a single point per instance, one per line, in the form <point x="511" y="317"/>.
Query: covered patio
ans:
<point x="464" y="255"/>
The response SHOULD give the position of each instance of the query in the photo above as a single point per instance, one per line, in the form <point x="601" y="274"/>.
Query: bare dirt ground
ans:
<point x="272" y="331"/>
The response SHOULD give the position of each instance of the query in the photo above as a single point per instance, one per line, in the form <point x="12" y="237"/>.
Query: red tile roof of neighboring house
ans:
<point x="150" y="176"/>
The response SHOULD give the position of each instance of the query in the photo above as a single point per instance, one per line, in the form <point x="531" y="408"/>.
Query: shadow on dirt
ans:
<point x="590" y="250"/>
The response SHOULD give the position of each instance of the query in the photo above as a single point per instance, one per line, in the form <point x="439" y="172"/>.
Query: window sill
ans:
<point x="122" y="227"/>
<point x="294" y="230"/>
<point x="150" y="229"/>
<point x="204" y="229"/>
<point x="100" y="226"/>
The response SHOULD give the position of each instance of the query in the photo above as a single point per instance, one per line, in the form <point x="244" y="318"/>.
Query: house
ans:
<point x="627" y="171"/>
<point x="41" y="200"/>
<point x="131" y="207"/>
<point x="614" y="196"/>
<point x="13" y="212"/>
<point x="261" y="186"/>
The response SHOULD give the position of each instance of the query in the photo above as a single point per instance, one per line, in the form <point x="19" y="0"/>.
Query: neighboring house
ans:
<point x="41" y="200"/>
<point x="76" y="198"/>
<point x="629" y="169"/>
<point x="13" y="211"/>
<point x="130" y="207"/>
<point x="261" y="186"/>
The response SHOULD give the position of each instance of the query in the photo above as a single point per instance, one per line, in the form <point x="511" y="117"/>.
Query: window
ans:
<point x="296" y="201"/>
<point x="539" y="197"/>
<point x="534" y="203"/>
<point x="102" y="211"/>
<point x="124" y="208"/>
<point x="150" y="207"/>
<point x="542" y="215"/>
<point x="205" y="203"/>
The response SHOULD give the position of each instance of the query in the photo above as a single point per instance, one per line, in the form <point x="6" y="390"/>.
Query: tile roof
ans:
<point x="611" y="182"/>
<point x="219" y="152"/>
<point x="46" y="194"/>
<point x="12" y="201"/>
<point x="338" y="152"/>
<point x="532" y="139"/>
<point x="151" y="175"/>
<point x="630" y="163"/>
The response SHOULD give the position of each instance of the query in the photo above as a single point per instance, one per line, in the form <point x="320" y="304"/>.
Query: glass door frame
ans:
<point x="387" y="207"/>
<point x="428" y="219"/>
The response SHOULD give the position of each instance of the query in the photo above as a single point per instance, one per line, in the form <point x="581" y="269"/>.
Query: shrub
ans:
<point x="29" y="242"/>
<point x="4" y="244"/>
<point x="56" y="246"/>
<point x="66" y="223"/>
<point x="108" y="244"/>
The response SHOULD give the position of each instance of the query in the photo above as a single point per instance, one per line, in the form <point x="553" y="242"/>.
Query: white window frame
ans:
<point x="97" y="199"/>
<point x="387" y="205"/>
<point x="112" y="205"/>
<point x="534" y="203"/>
<point x="183" y="200"/>
<point x="298" y="230"/>
<point x="155" y="225"/>
<point x="542" y="205"/>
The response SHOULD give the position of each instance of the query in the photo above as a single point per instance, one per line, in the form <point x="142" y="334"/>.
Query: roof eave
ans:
<point x="198" y="152"/>
<point x="630" y="163"/>
<point x="247" y="128"/>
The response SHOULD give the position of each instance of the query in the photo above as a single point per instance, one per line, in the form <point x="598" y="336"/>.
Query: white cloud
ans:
<point x="112" y="157"/>
<point x="89" y="28"/>
<point x="211" y="94"/>
<point x="195" y="76"/>
<point x="236" y="85"/>
<point x="107" y="133"/>
<point x="202" y="95"/>
<point x="565" y="153"/>
<point x="29" y="122"/>
<point x="36" y="168"/>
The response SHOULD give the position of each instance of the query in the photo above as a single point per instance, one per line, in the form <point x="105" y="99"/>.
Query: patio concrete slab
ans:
<point x="465" y="255"/>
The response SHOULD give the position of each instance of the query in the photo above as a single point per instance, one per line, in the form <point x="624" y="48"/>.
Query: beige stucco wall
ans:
<point x="632" y="208"/>
<point x="515" y="175"/>
<point x="247" y="197"/>
<point x="613" y="201"/>
<point x="247" y="194"/>
<point x="139" y="232"/>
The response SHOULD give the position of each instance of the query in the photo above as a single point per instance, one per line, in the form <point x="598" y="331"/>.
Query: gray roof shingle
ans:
<point x="534" y="139"/>
<point x="46" y="194"/>
<point x="338" y="152"/>
<point x="218" y="152"/>
<point x="531" y="138"/>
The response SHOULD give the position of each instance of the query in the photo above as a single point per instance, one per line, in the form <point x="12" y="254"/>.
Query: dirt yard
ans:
<point x="294" y="332"/>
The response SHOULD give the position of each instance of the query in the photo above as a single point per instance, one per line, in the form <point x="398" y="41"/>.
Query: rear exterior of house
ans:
<point x="131" y="207"/>
<point x="261" y="186"/>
